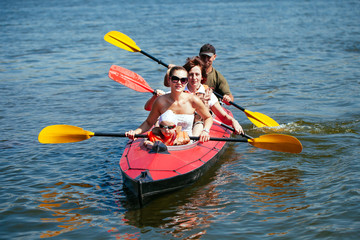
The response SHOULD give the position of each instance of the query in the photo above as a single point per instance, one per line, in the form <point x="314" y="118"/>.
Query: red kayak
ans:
<point x="150" y="173"/>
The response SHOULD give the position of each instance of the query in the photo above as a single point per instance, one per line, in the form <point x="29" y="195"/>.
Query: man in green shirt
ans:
<point x="215" y="79"/>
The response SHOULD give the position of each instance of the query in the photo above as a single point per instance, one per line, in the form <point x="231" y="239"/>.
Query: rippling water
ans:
<point x="296" y="61"/>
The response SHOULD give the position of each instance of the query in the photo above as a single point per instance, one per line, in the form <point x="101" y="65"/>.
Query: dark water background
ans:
<point x="296" y="61"/>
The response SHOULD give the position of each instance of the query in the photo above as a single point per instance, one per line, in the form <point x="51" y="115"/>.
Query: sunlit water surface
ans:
<point x="295" y="61"/>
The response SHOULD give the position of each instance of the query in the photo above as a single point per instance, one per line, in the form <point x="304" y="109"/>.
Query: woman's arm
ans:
<point x="150" y="102"/>
<point x="226" y="118"/>
<point x="149" y="122"/>
<point x="203" y="111"/>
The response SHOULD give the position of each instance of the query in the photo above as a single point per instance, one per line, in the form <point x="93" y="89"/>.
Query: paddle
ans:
<point x="281" y="142"/>
<point x="129" y="79"/>
<point x="136" y="82"/>
<point x="123" y="41"/>
<point x="67" y="134"/>
<point x="258" y="119"/>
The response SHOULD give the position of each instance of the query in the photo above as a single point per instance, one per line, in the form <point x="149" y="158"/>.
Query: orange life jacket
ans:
<point x="179" y="138"/>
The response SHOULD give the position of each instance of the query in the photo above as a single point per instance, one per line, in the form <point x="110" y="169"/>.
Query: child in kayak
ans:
<point x="168" y="132"/>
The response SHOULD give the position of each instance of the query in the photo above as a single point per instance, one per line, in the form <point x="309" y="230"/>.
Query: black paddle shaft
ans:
<point x="232" y="103"/>
<point x="155" y="59"/>
<point x="99" y="134"/>
<point x="166" y="65"/>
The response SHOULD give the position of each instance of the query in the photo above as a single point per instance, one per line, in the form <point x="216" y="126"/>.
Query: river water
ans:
<point x="295" y="61"/>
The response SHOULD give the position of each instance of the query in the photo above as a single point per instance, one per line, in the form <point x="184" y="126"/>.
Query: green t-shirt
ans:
<point x="218" y="82"/>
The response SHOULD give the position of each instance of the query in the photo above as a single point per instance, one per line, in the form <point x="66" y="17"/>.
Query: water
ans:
<point x="295" y="61"/>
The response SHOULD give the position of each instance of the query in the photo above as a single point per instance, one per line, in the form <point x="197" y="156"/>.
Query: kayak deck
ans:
<point x="147" y="174"/>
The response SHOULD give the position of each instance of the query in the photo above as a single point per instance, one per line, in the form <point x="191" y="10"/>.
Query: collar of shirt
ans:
<point x="200" y="90"/>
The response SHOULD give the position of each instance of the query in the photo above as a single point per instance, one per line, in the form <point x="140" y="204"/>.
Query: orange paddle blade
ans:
<point x="277" y="142"/>
<point x="129" y="79"/>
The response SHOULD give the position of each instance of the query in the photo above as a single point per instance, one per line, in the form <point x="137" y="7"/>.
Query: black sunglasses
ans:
<point x="176" y="79"/>
<point x="167" y="127"/>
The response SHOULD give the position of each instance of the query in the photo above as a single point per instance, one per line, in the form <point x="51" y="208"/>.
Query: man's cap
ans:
<point x="207" y="49"/>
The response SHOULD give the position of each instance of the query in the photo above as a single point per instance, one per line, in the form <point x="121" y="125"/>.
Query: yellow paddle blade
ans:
<point x="63" y="134"/>
<point x="260" y="120"/>
<point x="122" y="41"/>
<point x="277" y="142"/>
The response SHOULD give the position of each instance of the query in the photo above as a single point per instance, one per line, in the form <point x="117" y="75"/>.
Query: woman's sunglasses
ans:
<point x="167" y="127"/>
<point x="176" y="79"/>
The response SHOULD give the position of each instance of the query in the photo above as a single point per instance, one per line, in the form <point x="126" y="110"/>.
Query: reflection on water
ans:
<point x="273" y="195"/>
<point x="279" y="193"/>
<point x="65" y="207"/>
<point x="181" y="214"/>
<point x="186" y="213"/>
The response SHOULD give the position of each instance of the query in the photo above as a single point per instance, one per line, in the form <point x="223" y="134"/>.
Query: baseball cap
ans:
<point x="207" y="49"/>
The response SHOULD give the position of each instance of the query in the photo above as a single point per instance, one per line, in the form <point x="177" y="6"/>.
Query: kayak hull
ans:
<point x="149" y="174"/>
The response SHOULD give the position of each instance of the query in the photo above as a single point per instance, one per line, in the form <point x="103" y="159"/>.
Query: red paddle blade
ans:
<point x="129" y="79"/>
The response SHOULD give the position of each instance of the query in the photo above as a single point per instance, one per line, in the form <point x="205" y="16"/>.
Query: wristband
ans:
<point x="206" y="130"/>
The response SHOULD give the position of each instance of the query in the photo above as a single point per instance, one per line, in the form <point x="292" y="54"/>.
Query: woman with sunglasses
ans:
<point x="183" y="104"/>
<point x="196" y="85"/>
<point x="168" y="132"/>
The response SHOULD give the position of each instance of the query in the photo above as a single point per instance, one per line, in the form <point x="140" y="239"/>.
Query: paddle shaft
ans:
<point x="153" y="58"/>
<point x="232" y="129"/>
<point x="217" y="94"/>
<point x="166" y="65"/>
<point x="69" y="134"/>
<point x="258" y="119"/>
<point x="255" y="119"/>
<point x="100" y="134"/>
<point x="232" y="103"/>
<point x="123" y="41"/>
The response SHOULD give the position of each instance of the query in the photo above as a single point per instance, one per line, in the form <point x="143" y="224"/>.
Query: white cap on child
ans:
<point x="168" y="116"/>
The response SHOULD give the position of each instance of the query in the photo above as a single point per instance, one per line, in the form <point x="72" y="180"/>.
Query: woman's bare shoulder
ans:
<point x="161" y="100"/>
<point x="194" y="99"/>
